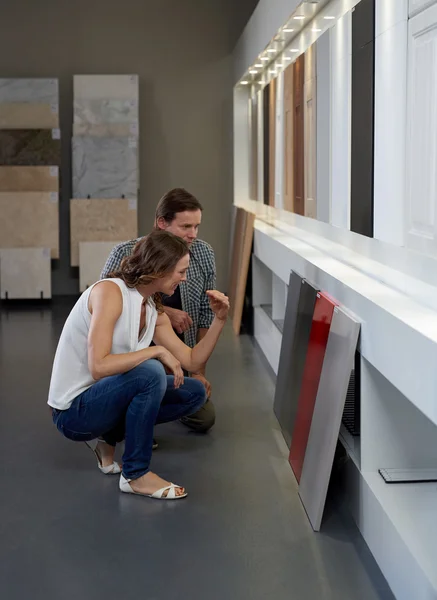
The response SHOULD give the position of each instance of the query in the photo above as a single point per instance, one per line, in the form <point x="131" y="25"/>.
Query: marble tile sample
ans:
<point x="30" y="147"/>
<point x="22" y="115"/>
<point x="92" y="259"/>
<point x="97" y="112"/>
<point x="29" y="179"/>
<point x="25" y="273"/>
<point x="105" y="167"/>
<point x="29" y="90"/>
<point x="101" y="220"/>
<point x="119" y="87"/>
<point x="106" y="129"/>
<point x="30" y="219"/>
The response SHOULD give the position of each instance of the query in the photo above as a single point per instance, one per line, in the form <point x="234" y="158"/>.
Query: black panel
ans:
<point x="363" y="24"/>
<point x="297" y="328"/>
<point x="352" y="408"/>
<point x="266" y="142"/>
<point x="362" y="145"/>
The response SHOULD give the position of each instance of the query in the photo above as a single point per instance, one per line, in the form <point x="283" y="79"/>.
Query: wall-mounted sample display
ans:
<point x="92" y="259"/>
<point x="272" y="140"/>
<point x="323" y="311"/>
<point x="30" y="147"/>
<point x="253" y="146"/>
<point x="26" y="115"/>
<point x="25" y="273"/>
<point x="301" y="299"/>
<point x="288" y="112"/>
<point x="98" y="112"/>
<point x="29" y="179"/>
<point x="105" y="167"/>
<point x="95" y="87"/>
<point x="30" y="219"/>
<point x="106" y="129"/>
<point x="266" y="143"/>
<point x="101" y="220"/>
<point x="38" y="90"/>
<point x="240" y="264"/>
<point x="362" y="123"/>
<point x="328" y="410"/>
<point x="310" y="128"/>
<point x="298" y="136"/>
<point x="323" y="152"/>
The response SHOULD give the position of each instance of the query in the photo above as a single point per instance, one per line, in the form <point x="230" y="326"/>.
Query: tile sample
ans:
<point x="101" y="220"/>
<point x="321" y="324"/>
<point x="295" y="337"/>
<point x="25" y="273"/>
<point x="288" y="141"/>
<point x="92" y="259"/>
<point x="36" y="90"/>
<point x="298" y="136"/>
<point x="29" y="179"/>
<point x="97" y="112"/>
<point x="30" y="219"/>
<point x="106" y="129"/>
<point x="119" y="87"/>
<point x="30" y="147"/>
<point x="266" y="142"/>
<point x="328" y="410"/>
<point x="310" y="128"/>
<point x="22" y="115"/>
<point x="272" y="140"/>
<point x="105" y="167"/>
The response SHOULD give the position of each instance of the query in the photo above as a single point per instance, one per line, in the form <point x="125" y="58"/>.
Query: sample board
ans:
<point x="25" y="273"/>
<point x="24" y="115"/>
<point x="328" y="410"/>
<point x="29" y="179"/>
<point x="30" y="147"/>
<point x="32" y="91"/>
<point x="92" y="259"/>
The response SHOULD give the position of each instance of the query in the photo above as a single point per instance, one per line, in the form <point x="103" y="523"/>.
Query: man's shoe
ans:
<point x="155" y="444"/>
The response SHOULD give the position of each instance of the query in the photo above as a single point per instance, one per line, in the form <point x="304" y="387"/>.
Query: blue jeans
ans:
<point x="127" y="407"/>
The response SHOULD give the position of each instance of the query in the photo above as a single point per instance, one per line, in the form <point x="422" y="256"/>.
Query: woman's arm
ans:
<point x="106" y="305"/>
<point x="194" y="360"/>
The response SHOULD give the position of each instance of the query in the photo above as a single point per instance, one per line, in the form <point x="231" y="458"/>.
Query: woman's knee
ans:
<point x="151" y="375"/>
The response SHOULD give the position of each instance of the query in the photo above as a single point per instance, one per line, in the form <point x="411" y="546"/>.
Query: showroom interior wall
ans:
<point x="181" y="52"/>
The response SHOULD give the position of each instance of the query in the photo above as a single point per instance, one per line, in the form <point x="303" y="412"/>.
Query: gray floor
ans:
<point x="66" y="533"/>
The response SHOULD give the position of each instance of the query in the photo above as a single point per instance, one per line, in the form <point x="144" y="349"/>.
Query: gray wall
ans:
<point x="181" y="51"/>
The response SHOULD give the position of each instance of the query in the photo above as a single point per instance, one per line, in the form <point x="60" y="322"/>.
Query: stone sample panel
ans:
<point x="101" y="220"/>
<point x="29" y="179"/>
<point x="24" y="115"/>
<point x="106" y="129"/>
<point x="92" y="259"/>
<point x="30" y="147"/>
<point x="25" y="273"/>
<point x="97" y="112"/>
<point x="120" y="87"/>
<point x="30" y="219"/>
<point x="39" y="91"/>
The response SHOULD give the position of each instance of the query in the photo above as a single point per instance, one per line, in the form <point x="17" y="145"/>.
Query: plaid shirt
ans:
<point x="201" y="276"/>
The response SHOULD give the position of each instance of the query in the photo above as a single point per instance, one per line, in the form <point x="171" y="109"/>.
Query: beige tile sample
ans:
<point x="29" y="179"/>
<point x="24" y="115"/>
<point x="92" y="259"/>
<point x="96" y="87"/>
<point x="101" y="220"/>
<point x="25" y="273"/>
<point x="30" y="219"/>
<point x="106" y="129"/>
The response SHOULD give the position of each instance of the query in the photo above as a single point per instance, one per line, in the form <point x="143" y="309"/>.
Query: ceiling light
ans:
<point x="258" y="65"/>
<point x="271" y="50"/>
<point x="288" y="58"/>
<point x="315" y="30"/>
<point x="299" y="18"/>
<point x="288" y="30"/>
<point x="328" y="18"/>
<point x="265" y="58"/>
<point x="272" y="71"/>
<point x="279" y="65"/>
<point x="253" y="72"/>
<point x="294" y="50"/>
<point x="244" y="83"/>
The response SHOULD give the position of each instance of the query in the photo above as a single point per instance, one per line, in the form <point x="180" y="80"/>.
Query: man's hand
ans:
<point x="219" y="304"/>
<point x="179" y="319"/>
<point x="204" y="381"/>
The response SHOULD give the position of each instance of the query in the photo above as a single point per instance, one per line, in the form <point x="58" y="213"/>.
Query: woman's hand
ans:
<point x="173" y="365"/>
<point x="219" y="304"/>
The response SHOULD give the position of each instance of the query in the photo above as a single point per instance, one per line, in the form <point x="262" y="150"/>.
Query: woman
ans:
<point x="108" y="383"/>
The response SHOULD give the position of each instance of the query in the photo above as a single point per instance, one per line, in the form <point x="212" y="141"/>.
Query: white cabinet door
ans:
<point x="415" y="6"/>
<point x="421" y="197"/>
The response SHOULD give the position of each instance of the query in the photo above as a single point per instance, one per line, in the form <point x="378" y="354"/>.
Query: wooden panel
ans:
<point x="266" y="143"/>
<point x="272" y="141"/>
<point x="240" y="262"/>
<point x="25" y="273"/>
<point x="288" y="142"/>
<point x="101" y="220"/>
<point x="92" y="259"/>
<point x="298" y="136"/>
<point x="421" y="225"/>
<point x="310" y="116"/>
<point x="253" y="145"/>
<point x="29" y="179"/>
<point x="30" y="219"/>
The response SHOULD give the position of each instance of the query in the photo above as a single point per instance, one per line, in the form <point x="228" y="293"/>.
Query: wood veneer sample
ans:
<point x="253" y="129"/>
<point x="298" y="136"/>
<point x="101" y="220"/>
<point x="272" y="141"/>
<point x="30" y="219"/>
<point x="288" y="141"/>
<point x="310" y="132"/>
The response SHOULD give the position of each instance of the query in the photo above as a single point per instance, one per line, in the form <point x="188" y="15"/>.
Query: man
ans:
<point x="188" y="309"/>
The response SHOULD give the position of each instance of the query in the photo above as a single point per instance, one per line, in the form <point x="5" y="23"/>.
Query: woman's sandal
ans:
<point x="113" y="469"/>
<point x="158" y="495"/>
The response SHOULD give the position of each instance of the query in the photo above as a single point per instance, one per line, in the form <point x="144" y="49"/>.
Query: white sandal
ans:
<point x="113" y="469"/>
<point x="158" y="495"/>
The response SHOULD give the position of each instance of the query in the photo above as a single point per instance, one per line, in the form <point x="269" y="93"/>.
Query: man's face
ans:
<point x="185" y="225"/>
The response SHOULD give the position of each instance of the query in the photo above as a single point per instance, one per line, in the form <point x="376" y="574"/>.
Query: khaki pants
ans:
<point x="202" y="420"/>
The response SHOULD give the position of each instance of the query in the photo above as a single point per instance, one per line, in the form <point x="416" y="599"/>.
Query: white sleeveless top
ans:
<point x="70" y="374"/>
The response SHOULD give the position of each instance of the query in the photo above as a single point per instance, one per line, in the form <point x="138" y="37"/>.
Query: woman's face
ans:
<point x="170" y="282"/>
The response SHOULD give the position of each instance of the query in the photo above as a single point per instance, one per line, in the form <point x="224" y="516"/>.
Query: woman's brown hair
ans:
<point x="153" y="257"/>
